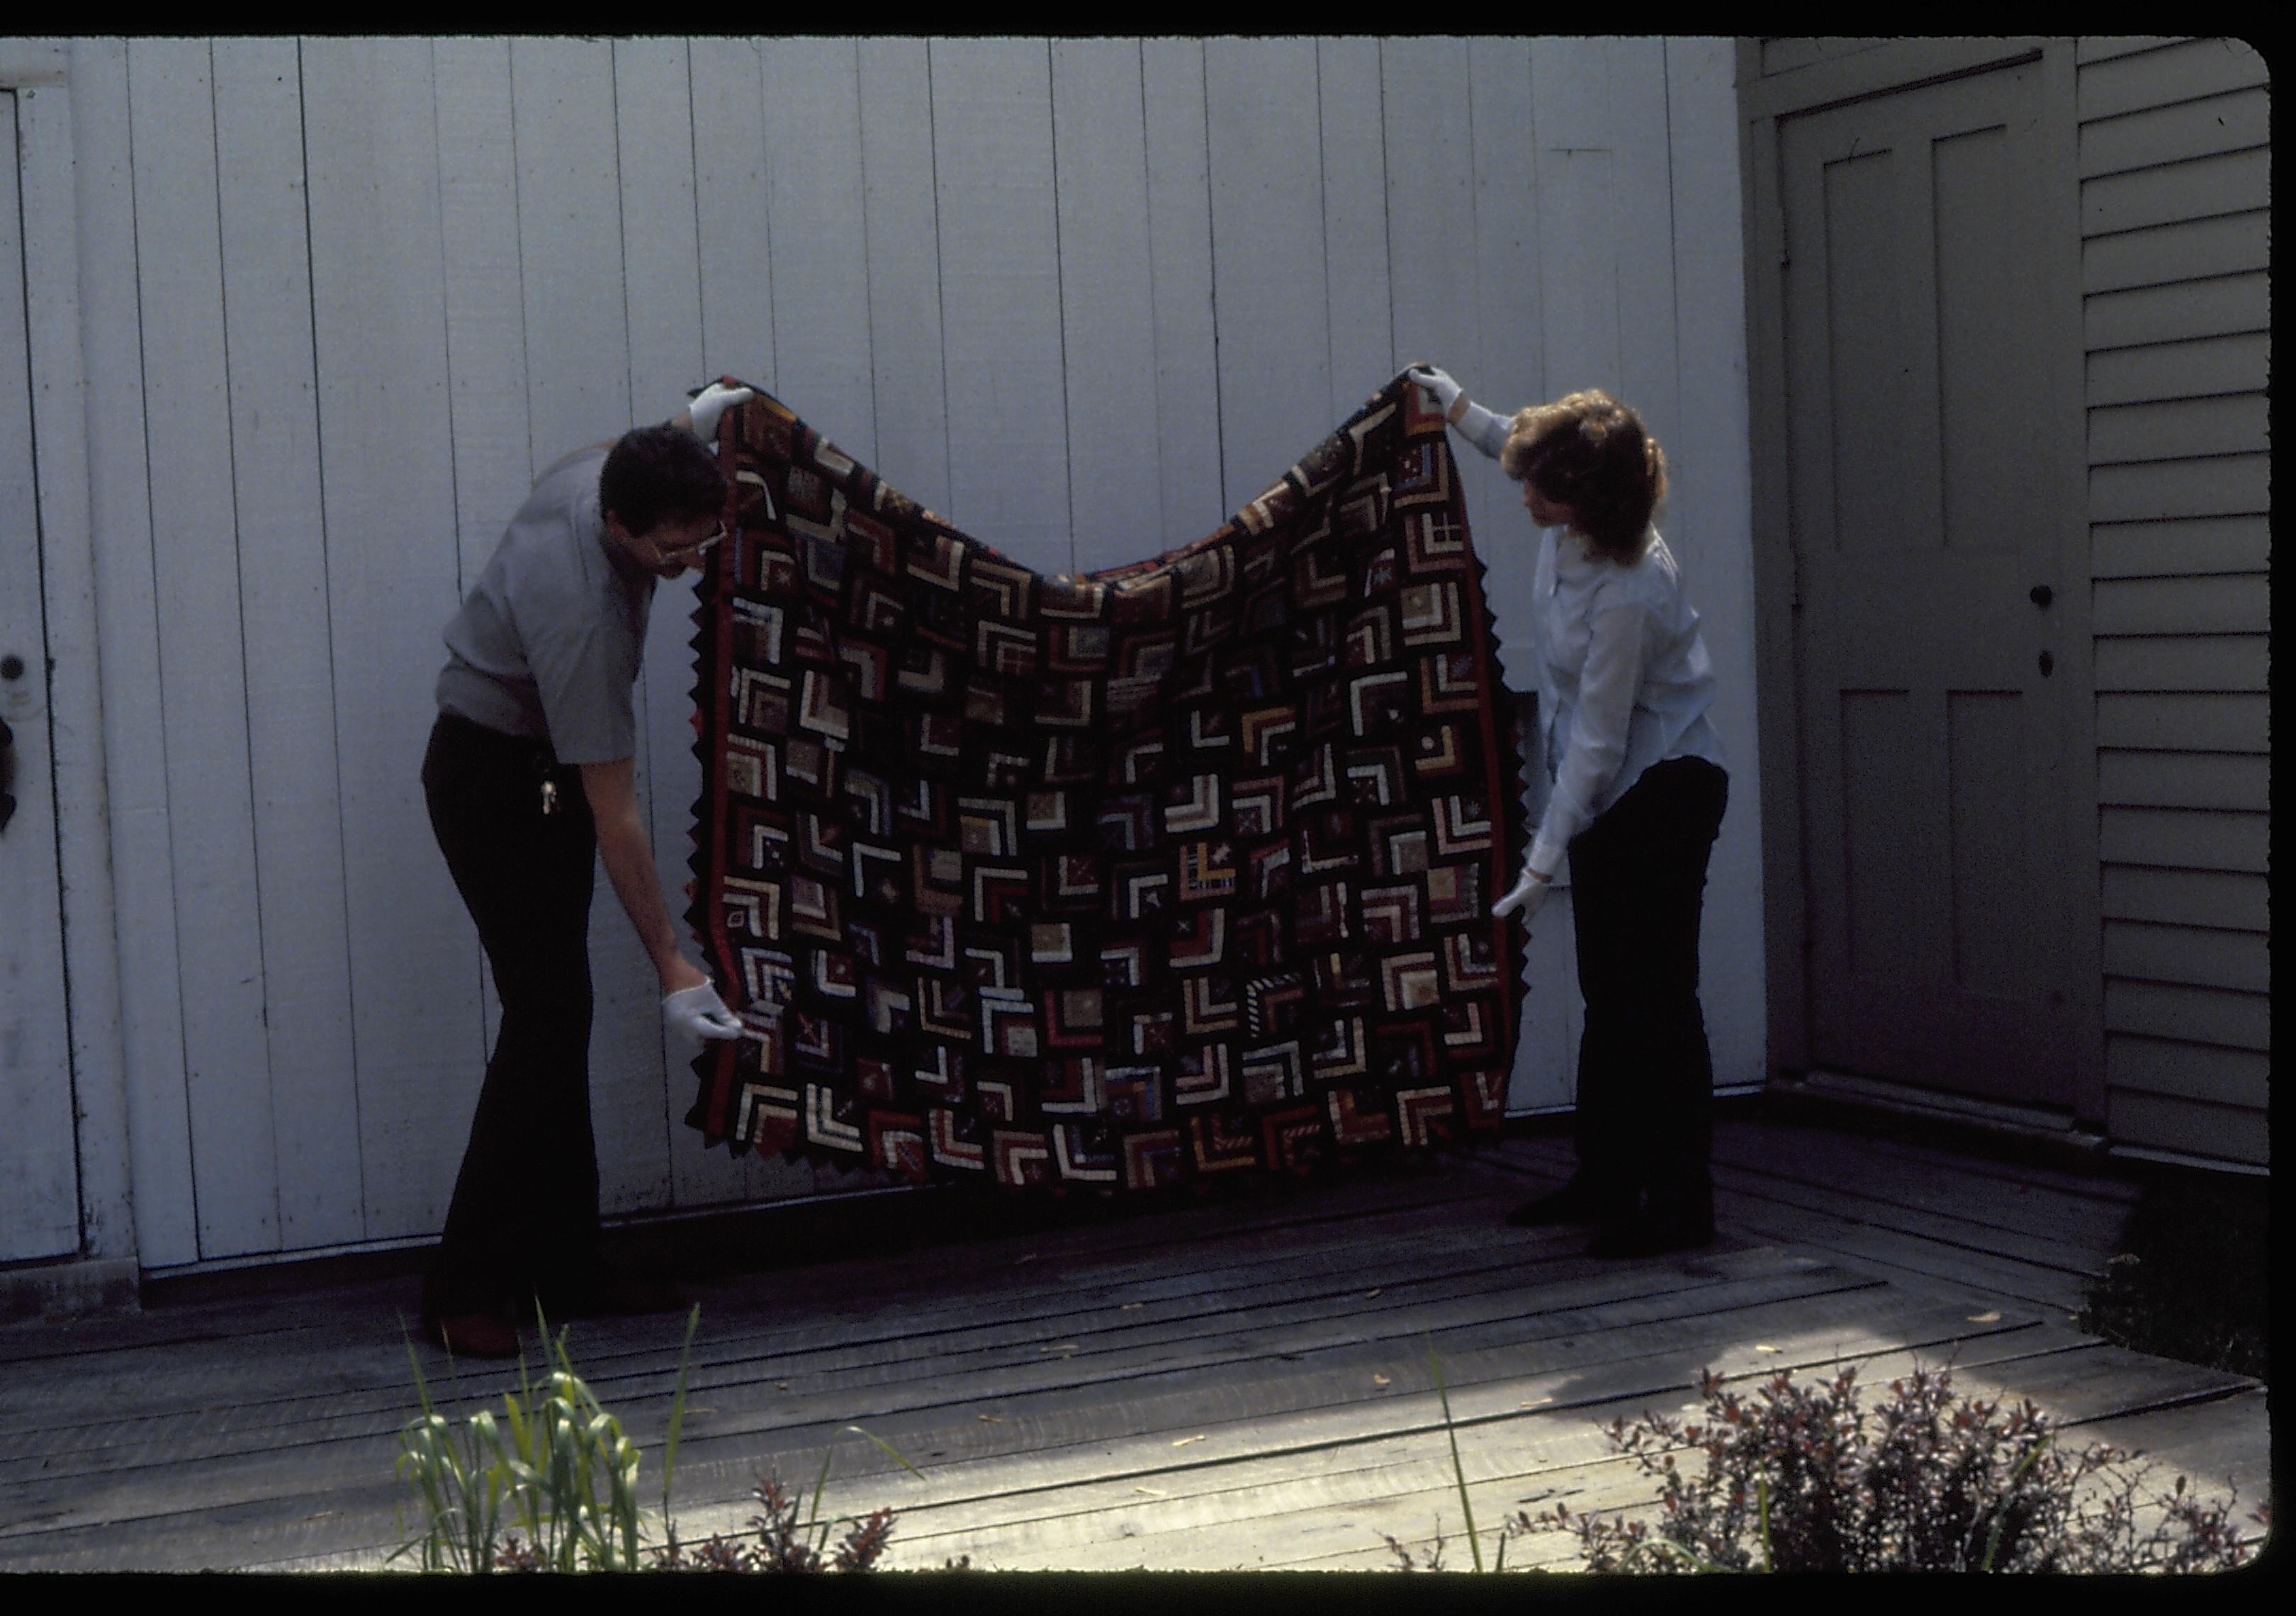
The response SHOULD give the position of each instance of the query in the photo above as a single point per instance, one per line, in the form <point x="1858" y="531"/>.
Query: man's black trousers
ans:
<point x="1645" y="1122"/>
<point x="525" y="1212"/>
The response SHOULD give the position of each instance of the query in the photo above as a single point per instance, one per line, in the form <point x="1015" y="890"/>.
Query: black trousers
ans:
<point x="1644" y="1122"/>
<point x="525" y="1212"/>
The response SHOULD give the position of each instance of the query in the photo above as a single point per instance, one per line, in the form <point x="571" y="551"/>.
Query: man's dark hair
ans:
<point x="657" y="472"/>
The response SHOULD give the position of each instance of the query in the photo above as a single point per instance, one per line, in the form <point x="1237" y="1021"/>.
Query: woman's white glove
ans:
<point x="711" y="402"/>
<point x="697" y="1013"/>
<point x="1438" y="382"/>
<point x="1527" y="895"/>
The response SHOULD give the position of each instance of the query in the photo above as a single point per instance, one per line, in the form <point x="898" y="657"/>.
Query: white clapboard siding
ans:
<point x="1577" y="193"/>
<point x="1191" y="482"/>
<point x="732" y="211"/>
<point x="310" y="1109"/>
<point x="2164" y="779"/>
<point x="819" y="237"/>
<point x="2229" y="243"/>
<point x="1269" y="279"/>
<point x="202" y="669"/>
<point x="39" y="1177"/>
<point x="2234" y="662"/>
<point x="1649" y="370"/>
<point x="2176" y="216"/>
<point x="1425" y="97"/>
<point x="97" y="1220"/>
<point x="1108" y="309"/>
<point x="1083" y="297"/>
<point x="1000" y="287"/>
<point x="909" y="383"/>
<point x="485" y="318"/>
<point x="486" y="315"/>
<point x="142" y="851"/>
<point x="393" y="570"/>
<point x="2159" y="547"/>
<point x="1360" y="241"/>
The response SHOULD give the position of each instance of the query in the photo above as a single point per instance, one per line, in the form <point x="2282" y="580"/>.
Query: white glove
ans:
<point x="1527" y="895"/>
<point x="699" y="1012"/>
<point x="711" y="402"/>
<point x="1438" y="382"/>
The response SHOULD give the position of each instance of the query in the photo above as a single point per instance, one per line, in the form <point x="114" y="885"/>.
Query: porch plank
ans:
<point x="196" y="1426"/>
<point x="1513" y="1429"/>
<point x="1065" y="1397"/>
<point x="1297" y="1510"/>
<point x="998" y="1275"/>
<point x="1809" y="1206"/>
<point x="884" y="1317"/>
<point x="1574" y="1369"/>
<point x="1239" y="1382"/>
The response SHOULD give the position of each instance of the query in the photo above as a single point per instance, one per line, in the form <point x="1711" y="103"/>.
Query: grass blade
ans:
<point x="2008" y="1495"/>
<point x="899" y="1457"/>
<point x="1474" y="1543"/>
<point x="676" y="1424"/>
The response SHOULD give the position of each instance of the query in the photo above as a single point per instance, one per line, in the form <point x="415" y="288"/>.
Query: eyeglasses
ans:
<point x="687" y="551"/>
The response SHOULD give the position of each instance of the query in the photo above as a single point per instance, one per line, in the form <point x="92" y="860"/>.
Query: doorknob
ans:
<point x="2041" y="595"/>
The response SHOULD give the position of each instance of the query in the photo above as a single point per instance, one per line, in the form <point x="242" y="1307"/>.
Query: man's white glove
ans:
<point x="711" y="402"/>
<point x="1527" y="895"/>
<point x="1438" y="382"/>
<point x="699" y="1012"/>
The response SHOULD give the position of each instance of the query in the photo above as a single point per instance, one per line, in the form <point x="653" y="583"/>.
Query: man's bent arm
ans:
<point x="611" y="789"/>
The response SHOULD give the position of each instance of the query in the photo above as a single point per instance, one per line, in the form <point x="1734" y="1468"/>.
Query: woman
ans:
<point x="1637" y="799"/>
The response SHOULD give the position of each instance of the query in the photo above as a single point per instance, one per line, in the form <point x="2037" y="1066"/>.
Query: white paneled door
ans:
<point x="40" y="1175"/>
<point x="1928" y="554"/>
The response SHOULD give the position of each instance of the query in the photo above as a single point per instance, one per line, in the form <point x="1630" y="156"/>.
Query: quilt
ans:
<point x="1113" y="881"/>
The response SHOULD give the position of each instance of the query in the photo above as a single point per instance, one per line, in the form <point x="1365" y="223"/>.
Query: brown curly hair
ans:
<point x="1590" y="452"/>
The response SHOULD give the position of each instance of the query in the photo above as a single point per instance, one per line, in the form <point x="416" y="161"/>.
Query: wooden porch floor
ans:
<point x="1237" y="1384"/>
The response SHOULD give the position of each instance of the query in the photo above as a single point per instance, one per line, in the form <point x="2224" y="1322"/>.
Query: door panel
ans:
<point x="1931" y="729"/>
<point x="39" y="1171"/>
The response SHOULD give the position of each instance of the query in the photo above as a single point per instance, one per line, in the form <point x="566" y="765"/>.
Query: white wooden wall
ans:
<point x="2177" y="274"/>
<point x="342" y="298"/>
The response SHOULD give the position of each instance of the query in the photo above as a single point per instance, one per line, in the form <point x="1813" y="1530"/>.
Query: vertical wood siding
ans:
<point x="2176" y="209"/>
<point x="1082" y="297"/>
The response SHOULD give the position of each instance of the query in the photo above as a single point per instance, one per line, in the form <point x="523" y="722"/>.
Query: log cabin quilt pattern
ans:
<point x="1109" y="881"/>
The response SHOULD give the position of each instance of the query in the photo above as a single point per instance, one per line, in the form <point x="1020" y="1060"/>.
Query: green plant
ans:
<point x="786" y="1542"/>
<point x="1459" y="1475"/>
<point x="1946" y="1483"/>
<point x="551" y="1485"/>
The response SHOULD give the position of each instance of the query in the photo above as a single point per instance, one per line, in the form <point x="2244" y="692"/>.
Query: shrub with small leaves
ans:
<point x="786" y="1542"/>
<point x="1797" y="1479"/>
<point x="1407" y="1561"/>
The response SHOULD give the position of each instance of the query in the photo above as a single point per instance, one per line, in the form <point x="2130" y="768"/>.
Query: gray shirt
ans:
<point x="549" y="640"/>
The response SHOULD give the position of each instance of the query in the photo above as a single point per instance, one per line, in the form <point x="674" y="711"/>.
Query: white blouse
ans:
<point x="1624" y="678"/>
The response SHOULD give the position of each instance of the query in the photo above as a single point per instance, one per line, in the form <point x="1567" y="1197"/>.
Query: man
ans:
<point x="530" y="781"/>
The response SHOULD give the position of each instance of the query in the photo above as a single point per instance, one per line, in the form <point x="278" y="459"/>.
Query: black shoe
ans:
<point x="476" y="1335"/>
<point x="1644" y="1236"/>
<point x="1574" y="1203"/>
